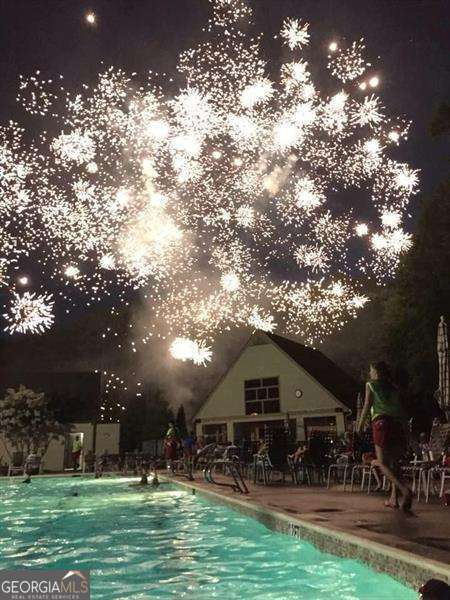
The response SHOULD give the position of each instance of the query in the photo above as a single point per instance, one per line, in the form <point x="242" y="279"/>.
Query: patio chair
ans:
<point x="442" y="474"/>
<point x="266" y="465"/>
<point x="16" y="465"/>
<point x="445" y="474"/>
<point x="360" y="469"/>
<point x="262" y="469"/>
<point x="338" y="468"/>
<point x="418" y="471"/>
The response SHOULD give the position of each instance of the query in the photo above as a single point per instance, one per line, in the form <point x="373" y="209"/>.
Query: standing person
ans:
<point x="387" y="416"/>
<point x="170" y="445"/>
<point x="189" y="452"/>
<point x="76" y="452"/>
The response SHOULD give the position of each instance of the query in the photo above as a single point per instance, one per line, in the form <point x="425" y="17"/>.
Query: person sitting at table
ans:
<point x="425" y="449"/>
<point x="263" y="449"/>
<point x="301" y="454"/>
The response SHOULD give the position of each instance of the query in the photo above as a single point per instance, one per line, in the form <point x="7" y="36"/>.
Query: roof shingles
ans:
<point x="324" y="370"/>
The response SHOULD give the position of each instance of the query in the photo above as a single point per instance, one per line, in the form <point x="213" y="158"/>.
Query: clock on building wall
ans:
<point x="298" y="393"/>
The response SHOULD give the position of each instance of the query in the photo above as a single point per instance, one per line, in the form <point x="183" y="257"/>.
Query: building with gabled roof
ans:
<point x="274" y="381"/>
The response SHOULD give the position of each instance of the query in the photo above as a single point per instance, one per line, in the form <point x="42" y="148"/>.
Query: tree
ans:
<point x="440" y="123"/>
<point x="145" y="418"/>
<point x="181" y="421"/>
<point x="26" y="421"/>
<point x="421" y="294"/>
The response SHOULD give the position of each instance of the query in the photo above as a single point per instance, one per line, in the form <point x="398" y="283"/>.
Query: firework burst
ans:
<point x="30" y="313"/>
<point x="226" y="203"/>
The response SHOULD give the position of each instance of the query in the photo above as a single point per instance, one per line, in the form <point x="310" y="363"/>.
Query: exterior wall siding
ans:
<point x="227" y="400"/>
<point x="108" y="437"/>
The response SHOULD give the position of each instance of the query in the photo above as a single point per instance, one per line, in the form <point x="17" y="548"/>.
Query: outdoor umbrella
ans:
<point x="442" y="350"/>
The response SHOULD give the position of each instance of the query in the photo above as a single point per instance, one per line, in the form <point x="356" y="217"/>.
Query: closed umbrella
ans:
<point x="442" y="350"/>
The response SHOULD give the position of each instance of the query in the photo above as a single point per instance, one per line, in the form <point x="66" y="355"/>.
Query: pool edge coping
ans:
<point x="412" y="563"/>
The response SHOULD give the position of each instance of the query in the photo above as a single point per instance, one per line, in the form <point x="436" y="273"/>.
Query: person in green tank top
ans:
<point x="382" y="402"/>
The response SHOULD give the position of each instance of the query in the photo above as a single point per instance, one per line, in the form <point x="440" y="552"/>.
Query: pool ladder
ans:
<point x="230" y="466"/>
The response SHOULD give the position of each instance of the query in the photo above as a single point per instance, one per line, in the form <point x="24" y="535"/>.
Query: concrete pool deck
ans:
<point x="410" y="548"/>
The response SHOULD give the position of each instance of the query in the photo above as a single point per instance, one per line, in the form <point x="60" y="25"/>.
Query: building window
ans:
<point x="262" y="396"/>
<point x="324" y="426"/>
<point x="214" y="433"/>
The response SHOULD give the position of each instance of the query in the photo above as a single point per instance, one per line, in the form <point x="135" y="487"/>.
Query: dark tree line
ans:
<point x="400" y="324"/>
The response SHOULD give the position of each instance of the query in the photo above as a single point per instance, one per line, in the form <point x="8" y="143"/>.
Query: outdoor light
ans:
<point x="91" y="18"/>
<point x="23" y="280"/>
<point x="374" y="81"/>
<point x="238" y="162"/>
<point x="216" y="154"/>
<point x="362" y="85"/>
<point x="333" y="47"/>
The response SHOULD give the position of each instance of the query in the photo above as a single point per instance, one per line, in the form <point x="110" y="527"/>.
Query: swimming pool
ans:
<point x="168" y="543"/>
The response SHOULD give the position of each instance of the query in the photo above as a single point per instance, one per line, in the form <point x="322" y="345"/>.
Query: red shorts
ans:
<point x="388" y="433"/>
<point x="170" y="450"/>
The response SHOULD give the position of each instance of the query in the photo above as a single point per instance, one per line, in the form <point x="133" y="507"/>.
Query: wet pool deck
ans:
<point x="422" y="540"/>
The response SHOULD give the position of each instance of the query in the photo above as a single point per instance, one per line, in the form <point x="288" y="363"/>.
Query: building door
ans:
<point x="73" y="440"/>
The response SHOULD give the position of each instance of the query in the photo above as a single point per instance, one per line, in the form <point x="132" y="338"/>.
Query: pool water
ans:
<point x="157" y="544"/>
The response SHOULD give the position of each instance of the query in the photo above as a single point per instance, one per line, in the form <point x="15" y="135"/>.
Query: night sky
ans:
<point x="407" y="41"/>
<point x="410" y="36"/>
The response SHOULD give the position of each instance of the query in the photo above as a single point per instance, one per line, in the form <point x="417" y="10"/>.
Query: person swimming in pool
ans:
<point x="142" y="482"/>
<point x="155" y="481"/>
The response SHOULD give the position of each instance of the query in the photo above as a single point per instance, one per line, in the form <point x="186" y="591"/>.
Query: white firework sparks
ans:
<point x="256" y="93"/>
<point x="308" y="196"/>
<point x="391" y="242"/>
<point x="313" y="257"/>
<point x="230" y="282"/>
<point x="261" y="320"/>
<point x="30" y="313"/>
<point x="186" y="349"/>
<point x="361" y="229"/>
<point x="77" y="147"/>
<point x="295" y="33"/>
<point x="199" y="198"/>
<point x="348" y="63"/>
<point x="369" y="112"/>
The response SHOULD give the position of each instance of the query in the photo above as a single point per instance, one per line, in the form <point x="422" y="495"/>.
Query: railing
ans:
<point x="229" y="466"/>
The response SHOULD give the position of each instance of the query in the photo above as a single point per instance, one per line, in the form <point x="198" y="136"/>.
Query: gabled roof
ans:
<point x="343" y="387"/>
<point x="323" y="369"/>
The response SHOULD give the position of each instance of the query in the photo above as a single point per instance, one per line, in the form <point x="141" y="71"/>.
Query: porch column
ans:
<point x="340" y="423"/>
<point x="230" y="431"/>
<point x="300" y="429"/>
